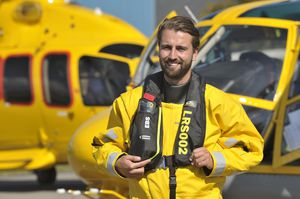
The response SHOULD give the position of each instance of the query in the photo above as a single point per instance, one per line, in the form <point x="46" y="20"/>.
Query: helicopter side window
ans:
<point x="55" y="80"/>
<point x="102" y="80"/>
<point x="17" y="84"/>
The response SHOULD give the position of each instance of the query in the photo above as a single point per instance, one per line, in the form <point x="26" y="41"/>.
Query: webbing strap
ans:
<point x="172" y="182"/>
<point x="169" y="162"/>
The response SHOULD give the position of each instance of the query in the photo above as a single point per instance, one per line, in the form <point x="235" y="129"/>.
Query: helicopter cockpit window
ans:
<point x="102" y="80"/>
<point x="124" y="50"/>
<point x="55" y="80"/>
<point x="243" y="59"/>
<point x="17" y="88"/>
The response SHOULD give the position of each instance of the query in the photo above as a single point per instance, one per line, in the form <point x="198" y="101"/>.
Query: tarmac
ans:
<point x="262" y="186"/>
<point x="23" y="185"/>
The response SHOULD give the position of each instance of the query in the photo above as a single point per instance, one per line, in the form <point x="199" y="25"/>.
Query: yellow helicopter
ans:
<point x="60" y="63"/>
<point x="250" y="51"/>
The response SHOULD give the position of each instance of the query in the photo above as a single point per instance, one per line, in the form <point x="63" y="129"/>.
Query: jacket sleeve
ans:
<point x="111" y="144"/>
<point x="239" y="146"/>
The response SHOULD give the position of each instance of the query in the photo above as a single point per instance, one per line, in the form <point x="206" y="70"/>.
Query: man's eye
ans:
<point x="166" y="47"/>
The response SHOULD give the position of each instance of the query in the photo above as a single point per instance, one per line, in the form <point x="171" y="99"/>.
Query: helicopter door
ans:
<point x="58" y="100"/>
<point x="76" y="87"/>
<point x="19" y="113"/>
<point x="287" y="139"/>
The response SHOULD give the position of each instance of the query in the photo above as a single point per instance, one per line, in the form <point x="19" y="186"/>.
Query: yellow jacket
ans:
<point x="229" y="132"/>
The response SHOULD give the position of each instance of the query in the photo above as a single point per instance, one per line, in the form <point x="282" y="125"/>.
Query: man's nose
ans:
<point x="173" y="54"/>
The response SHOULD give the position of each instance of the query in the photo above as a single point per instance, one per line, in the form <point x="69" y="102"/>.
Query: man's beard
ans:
<point x="179" y="73"/>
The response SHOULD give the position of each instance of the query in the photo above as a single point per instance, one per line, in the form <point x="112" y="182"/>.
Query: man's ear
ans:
<point x="195" y="53"/>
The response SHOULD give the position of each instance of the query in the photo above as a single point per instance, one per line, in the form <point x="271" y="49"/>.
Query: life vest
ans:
<point x="147" y="128"/>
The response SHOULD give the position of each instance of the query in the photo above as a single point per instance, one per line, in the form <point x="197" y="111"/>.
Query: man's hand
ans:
<point x="202" y="158"/>
<point x="131" y="166"/>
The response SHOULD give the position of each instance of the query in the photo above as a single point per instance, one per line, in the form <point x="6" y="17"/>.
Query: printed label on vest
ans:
<point x="183" y="135"/>
<point x="147" y="122"/>
<point x="145" y="137"/>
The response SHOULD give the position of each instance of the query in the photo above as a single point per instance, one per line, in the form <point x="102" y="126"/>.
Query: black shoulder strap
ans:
<point x="191" y="131"/>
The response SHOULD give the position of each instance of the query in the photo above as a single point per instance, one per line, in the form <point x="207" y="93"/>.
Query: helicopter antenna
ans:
<point x="189" y="11"/>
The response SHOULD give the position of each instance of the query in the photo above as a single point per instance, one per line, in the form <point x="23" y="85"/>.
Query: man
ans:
<point x="177" y="137"/>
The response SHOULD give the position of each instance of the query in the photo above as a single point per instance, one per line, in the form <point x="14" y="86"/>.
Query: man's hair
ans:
<point x="180" y="23"/>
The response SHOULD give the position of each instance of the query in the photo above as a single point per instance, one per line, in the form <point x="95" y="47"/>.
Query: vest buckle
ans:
<point x="173" y="182"/>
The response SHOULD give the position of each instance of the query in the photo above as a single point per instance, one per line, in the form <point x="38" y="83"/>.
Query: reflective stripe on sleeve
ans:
<point x="111" y="134"/>
<point x="230" y="142"/>
<point x="220" y="163"/>
<point x="110" y="163"/>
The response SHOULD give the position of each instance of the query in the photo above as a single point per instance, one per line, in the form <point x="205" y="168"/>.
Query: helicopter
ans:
<point x="60" y="64"/>
<point x="250" y="51"/>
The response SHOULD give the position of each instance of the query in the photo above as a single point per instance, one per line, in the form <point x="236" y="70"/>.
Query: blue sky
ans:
<point x="139" y="13"/>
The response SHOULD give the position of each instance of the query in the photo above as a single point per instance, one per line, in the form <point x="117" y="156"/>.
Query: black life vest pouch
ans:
<point x="146" y="136"/>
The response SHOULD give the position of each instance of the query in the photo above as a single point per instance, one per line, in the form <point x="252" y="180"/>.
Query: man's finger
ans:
<point x="133" y="158"/>
<point x="142" y="163"/>
<point x="199" y="152"/>
<point x="201" y="163"/>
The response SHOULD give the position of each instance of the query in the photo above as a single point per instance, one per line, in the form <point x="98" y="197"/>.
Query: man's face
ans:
<point x="176" y="54"/>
